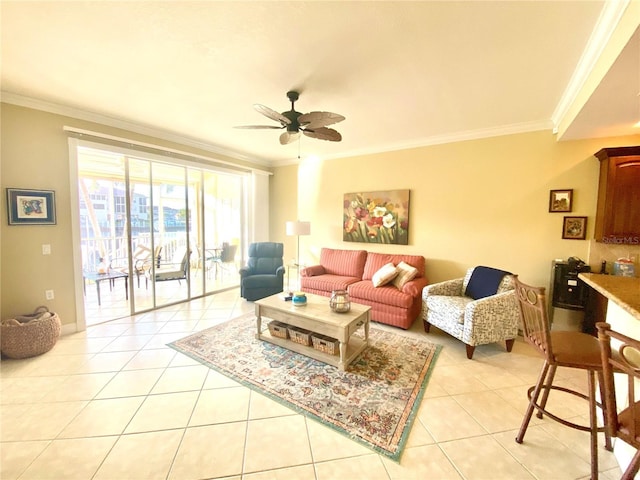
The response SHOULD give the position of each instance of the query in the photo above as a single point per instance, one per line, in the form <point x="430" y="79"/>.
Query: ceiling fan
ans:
<point x="312" y="124"/>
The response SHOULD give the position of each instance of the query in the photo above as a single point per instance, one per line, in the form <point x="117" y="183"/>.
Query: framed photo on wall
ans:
<point x="31" y="207"/>
<point x="574" y="228"/>
<point x="560" y="200"/>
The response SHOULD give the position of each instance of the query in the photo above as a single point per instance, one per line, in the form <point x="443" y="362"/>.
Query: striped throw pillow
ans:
<point x="384" y="275"/>
<point x="406" y="273"/>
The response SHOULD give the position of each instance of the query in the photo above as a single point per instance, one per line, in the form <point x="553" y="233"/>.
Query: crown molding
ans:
<point x="50" y="107"/>
<point x="610" y="16"/>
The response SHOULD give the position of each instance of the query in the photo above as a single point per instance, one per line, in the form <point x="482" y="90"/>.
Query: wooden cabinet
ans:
<point x="618" y="213"/>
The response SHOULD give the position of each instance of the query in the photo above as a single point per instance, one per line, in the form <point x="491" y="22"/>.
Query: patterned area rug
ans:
<point x="374" y="402"/>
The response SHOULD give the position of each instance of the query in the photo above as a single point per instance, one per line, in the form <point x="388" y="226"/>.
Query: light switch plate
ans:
<point x="46" y="249"/>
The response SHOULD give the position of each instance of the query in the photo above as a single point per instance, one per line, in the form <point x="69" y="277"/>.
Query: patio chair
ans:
<point x="176" y="269"/>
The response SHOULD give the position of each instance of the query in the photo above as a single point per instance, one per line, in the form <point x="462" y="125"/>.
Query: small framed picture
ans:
<point x="574" y="228"/>
<point x="560" y="200"/>
<point x="31" y="207"/>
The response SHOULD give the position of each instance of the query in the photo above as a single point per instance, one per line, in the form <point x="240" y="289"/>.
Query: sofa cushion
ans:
<point x="346" y="263"/>
<point x="406" y="273"/>
<point x="451" y="307"/>
<point x="327" y="283"/>
<point x="484" y="282"/>
<point x="383" y="276"/>
<point x="388" y="294"/>
<point x="376" y="260"/>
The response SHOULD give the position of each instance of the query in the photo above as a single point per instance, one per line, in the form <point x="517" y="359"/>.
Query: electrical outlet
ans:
<point x="48" y="294"/>
<point x="46" y="249"/>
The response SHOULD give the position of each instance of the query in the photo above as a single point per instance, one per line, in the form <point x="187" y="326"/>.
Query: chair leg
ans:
<point x="607" y="434"/>
<point x="510" y="343"/>
<point x="547" y="389"/>
<point x="532" y="402"/>
<point x="470" y="350"/>
<point x="427" y="326"/>
<point x="593" y="422"/>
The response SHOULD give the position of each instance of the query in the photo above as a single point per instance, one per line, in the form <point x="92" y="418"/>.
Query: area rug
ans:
<point x="374" y="402"/>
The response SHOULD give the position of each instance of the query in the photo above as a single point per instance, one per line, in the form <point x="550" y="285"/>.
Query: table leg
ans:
<point x="98" y="290"/>
<point x="366" y="330"/>
<point x="258" y="321"/>
<point x="126" y="288"/>
<point x="343" y="354"/>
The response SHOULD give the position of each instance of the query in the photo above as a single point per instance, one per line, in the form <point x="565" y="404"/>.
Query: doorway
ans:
<point x="153" y="232"/>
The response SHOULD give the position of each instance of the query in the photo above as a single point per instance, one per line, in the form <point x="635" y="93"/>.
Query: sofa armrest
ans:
<point x="280" y="272"/>
<point x="415" y="286"/>
<point x="244" y="272"/>
<point x="312" y="271"/>
<point x="501" y="310"/>
<point x="450" y="288"/>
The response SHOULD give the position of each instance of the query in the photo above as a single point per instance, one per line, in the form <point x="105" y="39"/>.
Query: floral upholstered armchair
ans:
<point x="478" y="309"/>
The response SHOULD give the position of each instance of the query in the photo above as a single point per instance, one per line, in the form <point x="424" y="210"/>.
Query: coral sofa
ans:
<point x="353" y="270"/>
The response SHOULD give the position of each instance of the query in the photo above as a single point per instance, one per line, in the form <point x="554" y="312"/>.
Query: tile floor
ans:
<point x="114" y="402"/>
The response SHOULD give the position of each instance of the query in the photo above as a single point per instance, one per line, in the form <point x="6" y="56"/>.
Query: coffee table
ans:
<point x="316" y="316"/>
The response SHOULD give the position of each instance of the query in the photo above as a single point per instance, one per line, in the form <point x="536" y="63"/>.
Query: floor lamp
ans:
<point x="298" y="228"/>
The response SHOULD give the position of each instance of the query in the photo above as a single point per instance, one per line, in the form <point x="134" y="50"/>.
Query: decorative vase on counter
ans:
<point x="340" y="301"/>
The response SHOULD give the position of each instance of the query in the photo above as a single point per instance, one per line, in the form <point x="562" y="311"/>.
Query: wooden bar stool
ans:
<point x="625" y="360"/>
<point x="560" y="349"/>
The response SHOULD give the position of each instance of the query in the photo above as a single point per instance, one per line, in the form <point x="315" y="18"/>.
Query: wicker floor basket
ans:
<point x="30" y="335"/>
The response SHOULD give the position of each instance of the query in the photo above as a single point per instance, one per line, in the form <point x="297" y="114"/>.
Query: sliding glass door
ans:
<point x="154" y="233"/>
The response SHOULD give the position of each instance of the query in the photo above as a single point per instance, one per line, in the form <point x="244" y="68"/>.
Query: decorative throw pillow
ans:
<point x="484" y="282"/>
<point x="384" y="275"/>
<point x="406" y="273"/>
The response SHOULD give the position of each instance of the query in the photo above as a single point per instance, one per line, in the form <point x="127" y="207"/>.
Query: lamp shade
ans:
<point x="298" y="228"/>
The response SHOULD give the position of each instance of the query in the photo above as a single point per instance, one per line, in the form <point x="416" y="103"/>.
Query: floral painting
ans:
<point x="376" y="217"/>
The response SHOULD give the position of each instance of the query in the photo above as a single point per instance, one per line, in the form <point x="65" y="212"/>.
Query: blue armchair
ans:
<point x="264" y="273"/>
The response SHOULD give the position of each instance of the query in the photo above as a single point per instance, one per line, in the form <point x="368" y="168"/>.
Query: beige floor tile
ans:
<point x="420" y="463"/>
<point x="543" y="455"/>
<point x="490" y="411"/>
<point x="302" y="472"/>
<point x="15" y="457"/>
<point x="221" y="405"/>
<point x="446" y="420"/>
<point x="160" y="340"/>
<point x="180" y="326"/>
<point x="264" y="407"/>
<point x="217" y="380"/>
<point x="79" y="387"/>
<point x="130" y="383"/>
<point x="150" y="359"/>
<point x="484" y="458"/>
<point x="197" y="459"/>
<point x="327" y="444"/>
<point x="28" y="389"/>
<point x="70" y="459"/>
<point x="106" y="362"/>
<point x="418" y="435"/>
<point x="148" y="329"/>
<point x="181" y="379"/>
<point x="164" y="411"/>
<point x="141" y="456"/>
<point x="40" y="421"/>
<point x="50" y="365"/>
<point x="458" y="379"/>
<point x="181" y="360"/>
<point x="71" y="345"/>
<point x="107" y="330"/>
<point x="125" y="343"/>
<point x="276" y="443"/>
<point x="366" y="466"/>
<point x="103" y="417"/>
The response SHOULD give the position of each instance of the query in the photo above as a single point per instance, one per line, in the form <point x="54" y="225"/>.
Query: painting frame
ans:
<point x="561" y="200"/>
<point x="378" y="216"/>
<point x="574" y="228"/>
<point x="31" y="207"/>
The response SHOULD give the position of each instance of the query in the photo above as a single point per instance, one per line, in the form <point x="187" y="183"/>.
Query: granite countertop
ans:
<point x="625" y="291"/>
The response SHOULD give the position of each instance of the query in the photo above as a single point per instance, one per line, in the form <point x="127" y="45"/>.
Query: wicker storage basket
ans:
<point x="278" y="329"/>
<point x="325" y="344"/>
<point x="300" y="335"/>
<point x="30" y="335"/>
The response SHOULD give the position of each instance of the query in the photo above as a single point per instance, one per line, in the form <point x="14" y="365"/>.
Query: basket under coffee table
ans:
<point x="316" y="316"/>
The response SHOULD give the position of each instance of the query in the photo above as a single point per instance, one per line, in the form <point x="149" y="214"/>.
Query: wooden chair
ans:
<point x="625" y="359"/>
<point x="568" y="349"/>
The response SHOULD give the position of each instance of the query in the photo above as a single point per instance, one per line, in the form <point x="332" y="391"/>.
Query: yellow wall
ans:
<point x="475" y="202"/>
<point x="35" y="155"/>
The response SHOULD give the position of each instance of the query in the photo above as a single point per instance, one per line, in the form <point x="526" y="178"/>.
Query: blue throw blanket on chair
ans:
<point x="484" y="282"/>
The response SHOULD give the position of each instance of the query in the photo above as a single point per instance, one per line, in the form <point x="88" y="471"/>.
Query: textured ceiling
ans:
<point x="403" y="74"/>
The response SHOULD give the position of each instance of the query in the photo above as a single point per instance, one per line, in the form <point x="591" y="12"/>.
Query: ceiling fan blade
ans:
<point x="259" y="126"/>
<point x="272" y="114"/>
<point x="288" y="137"/>
<point x="319" y="119"/>
<point x="323" y="133"/>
